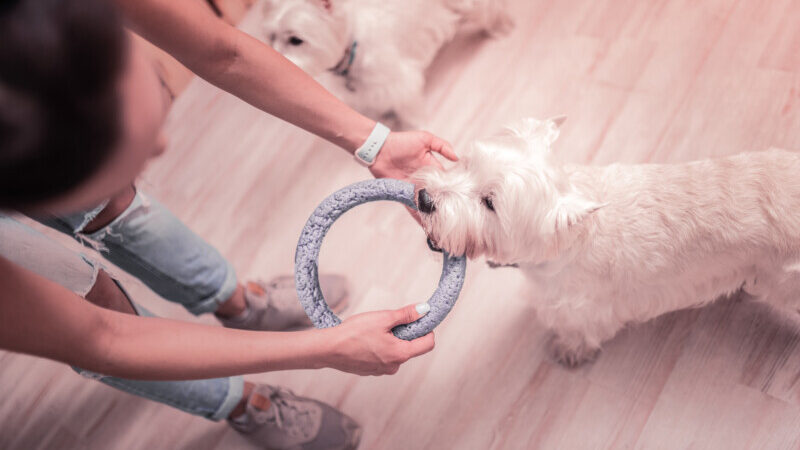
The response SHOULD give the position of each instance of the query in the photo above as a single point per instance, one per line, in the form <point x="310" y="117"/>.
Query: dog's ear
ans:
<point x="550" y="129"/>
<point x="571" y="210"/>
<point x="530" y="128"/>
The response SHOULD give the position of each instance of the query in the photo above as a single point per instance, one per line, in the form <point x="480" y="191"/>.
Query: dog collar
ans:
<point x="494" y="265"/>
<point x="342" y="68"/>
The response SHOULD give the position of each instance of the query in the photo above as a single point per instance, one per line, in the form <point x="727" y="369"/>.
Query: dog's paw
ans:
<point x="571" y="354"/>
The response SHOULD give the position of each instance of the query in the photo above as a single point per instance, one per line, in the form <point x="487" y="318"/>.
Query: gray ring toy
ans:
<point x="306" y="275"/>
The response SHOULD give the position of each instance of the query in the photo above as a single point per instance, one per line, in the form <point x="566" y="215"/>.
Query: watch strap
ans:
<point x="367" y="153"/>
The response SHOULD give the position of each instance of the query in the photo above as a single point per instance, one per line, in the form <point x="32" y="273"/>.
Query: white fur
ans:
<point x="607" y="246"/>
<point x="397" y="40"/>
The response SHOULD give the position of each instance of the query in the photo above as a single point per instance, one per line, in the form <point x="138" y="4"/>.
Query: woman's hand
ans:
<point x="256" y="73"/>
<point x="405" y="152"/>
<point x="364" y="344"/>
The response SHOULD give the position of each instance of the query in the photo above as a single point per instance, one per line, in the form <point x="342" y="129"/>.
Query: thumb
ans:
<point x="443" y="148"/>
<point x="430" y="160"/>
<point x="409" y="314"/>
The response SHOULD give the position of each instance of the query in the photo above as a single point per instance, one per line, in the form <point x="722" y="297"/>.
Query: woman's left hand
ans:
<point x="404" y="152"/>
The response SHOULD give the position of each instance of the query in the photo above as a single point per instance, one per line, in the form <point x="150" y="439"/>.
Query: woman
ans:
<point x="81" y="112"/>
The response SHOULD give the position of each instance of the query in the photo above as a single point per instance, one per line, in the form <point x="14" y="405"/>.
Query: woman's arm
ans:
<point x="240" y="64"/>
<point x="42" y="318"/>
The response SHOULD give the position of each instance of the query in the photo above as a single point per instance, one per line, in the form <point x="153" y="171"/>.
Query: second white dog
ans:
<point x="607" y="246"/>
<point x="372" y="54"/>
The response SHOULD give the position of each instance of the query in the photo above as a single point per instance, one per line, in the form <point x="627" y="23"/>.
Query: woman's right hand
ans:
<point x="364" y="344"/>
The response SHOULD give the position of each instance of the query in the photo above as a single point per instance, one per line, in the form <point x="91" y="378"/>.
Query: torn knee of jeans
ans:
<point x="89" y="216"/>
<point x="94" y="241"/>
<point x="95" y="272"/>
<point x="95" y="238"/>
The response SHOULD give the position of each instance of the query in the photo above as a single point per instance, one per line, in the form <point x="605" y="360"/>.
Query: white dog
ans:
<point x="372" y="54"/>
<point x="607" y="246"/>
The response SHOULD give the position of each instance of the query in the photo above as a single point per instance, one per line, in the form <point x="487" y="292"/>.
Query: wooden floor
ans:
<point x="660" y="80"/>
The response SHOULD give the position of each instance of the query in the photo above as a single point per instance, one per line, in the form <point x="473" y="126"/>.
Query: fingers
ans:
<point x="430" y="160"/>
<point x="388" y="370"/>
<point x="422" y="345"/>
<point x="408" y="314"/>
<point x="409" y="349"/>
<point x="443" y="148"/>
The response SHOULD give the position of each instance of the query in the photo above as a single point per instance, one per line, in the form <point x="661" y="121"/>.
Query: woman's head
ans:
<point x="80" y="108"/>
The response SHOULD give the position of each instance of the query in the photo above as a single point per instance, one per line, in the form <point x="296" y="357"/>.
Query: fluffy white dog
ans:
<point x="607" y="246"/>
<point x="372" y="54"/>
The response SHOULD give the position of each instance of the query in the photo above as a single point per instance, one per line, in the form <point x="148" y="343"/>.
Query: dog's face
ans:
<point x="313" y="34"/>
<point x="506" y="198"/>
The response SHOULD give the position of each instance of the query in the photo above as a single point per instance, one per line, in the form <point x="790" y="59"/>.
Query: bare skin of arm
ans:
<point x="240" y="64"/>
<point x="42" y="318"/>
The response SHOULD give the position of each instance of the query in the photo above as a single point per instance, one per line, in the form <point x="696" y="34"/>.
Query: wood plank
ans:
<point x="665" y="80"/>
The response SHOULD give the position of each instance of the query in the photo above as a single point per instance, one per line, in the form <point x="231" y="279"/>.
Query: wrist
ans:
<point x="367" y="154"/>
<point x="356" y="134"/>
<point x="325" y="347"/>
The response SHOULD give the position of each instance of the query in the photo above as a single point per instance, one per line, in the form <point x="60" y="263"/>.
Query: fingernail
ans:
<point x="422" y="308"/>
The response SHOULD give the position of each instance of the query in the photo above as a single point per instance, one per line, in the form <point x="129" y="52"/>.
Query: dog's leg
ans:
<point x="408" y="99"/>
<point x="411" y="114"/>
<point x="571" y="349"/>
<point x="578" y="330"/>
<point x="498" y="24"/>
<point x="575" y="334"/>
<point x="780" y="289"/>
<point x="490" y="16"/>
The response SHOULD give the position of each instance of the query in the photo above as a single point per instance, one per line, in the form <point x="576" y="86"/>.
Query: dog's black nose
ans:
<point x="425" y="202"/>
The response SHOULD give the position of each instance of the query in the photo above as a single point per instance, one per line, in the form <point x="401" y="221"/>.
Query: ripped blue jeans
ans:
<point x="149" y="242"/>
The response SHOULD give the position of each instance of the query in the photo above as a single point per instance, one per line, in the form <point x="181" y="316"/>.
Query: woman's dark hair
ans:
<point x="60" y="63"/>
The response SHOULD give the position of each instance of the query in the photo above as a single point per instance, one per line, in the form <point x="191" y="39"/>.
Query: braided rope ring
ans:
<point x="306" y="274"/>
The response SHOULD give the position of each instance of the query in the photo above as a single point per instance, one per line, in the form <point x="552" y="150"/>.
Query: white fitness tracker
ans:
<point x="367" y="153"/>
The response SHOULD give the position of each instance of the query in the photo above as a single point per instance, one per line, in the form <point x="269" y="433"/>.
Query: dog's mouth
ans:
<point x="432" y="245"/>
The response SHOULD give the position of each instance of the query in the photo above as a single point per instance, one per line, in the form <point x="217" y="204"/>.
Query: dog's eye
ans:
<point x="487" y="202"/>
<point x="294" y="40"/>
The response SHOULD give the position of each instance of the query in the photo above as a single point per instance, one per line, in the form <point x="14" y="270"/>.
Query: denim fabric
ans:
<point x="212" y="398"/>
<point x="153" y="245"/>
<point x="34" y="251"/>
